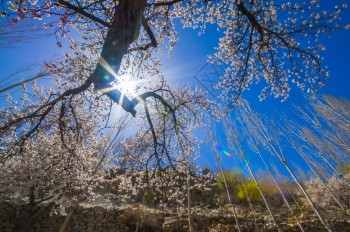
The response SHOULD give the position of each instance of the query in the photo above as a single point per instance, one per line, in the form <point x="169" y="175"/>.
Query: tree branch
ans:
<point x="149" y="32"/>
<point x="82" y="12"/>
<point x="251" y="19"/>
<point x="41" y="74"/>
<point x="164" y="3"/>
<point x="144" y="96"/>
<point x="153" y="39"/>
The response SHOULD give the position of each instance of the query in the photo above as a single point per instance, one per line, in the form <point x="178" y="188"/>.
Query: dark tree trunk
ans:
<point x="124" y="30"/>
<point x="25" y="222"/>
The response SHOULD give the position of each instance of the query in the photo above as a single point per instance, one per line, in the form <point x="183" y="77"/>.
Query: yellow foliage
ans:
<point x="249" y="188"/>
<point x="344" y="168"/>
<point x="232" y="179"/>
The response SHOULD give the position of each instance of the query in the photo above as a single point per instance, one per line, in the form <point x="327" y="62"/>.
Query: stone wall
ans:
<point x="136" y="219"/>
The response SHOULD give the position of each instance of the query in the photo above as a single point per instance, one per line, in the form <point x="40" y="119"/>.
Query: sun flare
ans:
<point x="126" y="85"/>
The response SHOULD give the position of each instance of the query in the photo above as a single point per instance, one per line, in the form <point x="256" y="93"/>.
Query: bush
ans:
<point x="248" y="188"/>
<point x="232" y="180"/>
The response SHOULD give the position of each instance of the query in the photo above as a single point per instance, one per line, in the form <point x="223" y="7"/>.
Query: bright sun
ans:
<point x="126" y="85"/>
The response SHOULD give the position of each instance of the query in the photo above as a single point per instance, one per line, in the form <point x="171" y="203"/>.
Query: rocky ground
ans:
<point x="138" y="218"/>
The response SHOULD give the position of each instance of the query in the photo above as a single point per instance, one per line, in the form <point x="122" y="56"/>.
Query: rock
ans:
<point x="267" y="218"/>
<point x="348" y="212"/>
<point x="98" y="209"/>
<point x="112" y="213"/>
<point x="104" y="221"/>
<point x="80" y="209"/>
<point x="260" y="220"/>
<point x="90" y="218"/>
<point x="272" y="228"/>
<point x="182" y="212"/>
<point x="99" y="215"/>
<point x="249" y="227"/>
<point x="112" y="230"/>
<point x="215" y="213"/>
<point x="170" y="224"/>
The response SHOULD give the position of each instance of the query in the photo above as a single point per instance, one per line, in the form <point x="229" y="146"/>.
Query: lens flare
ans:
<point x="223" y="151"/>
<point x="126" y="85"/>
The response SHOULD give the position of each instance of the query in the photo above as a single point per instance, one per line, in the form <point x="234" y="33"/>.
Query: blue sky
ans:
<point x="189" y="57"/>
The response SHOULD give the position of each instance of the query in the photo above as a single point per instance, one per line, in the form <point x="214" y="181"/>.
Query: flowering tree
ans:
<point x="321" y="194"/>
<point x="260" y="37"/>
<point x="119" y="37"/>
<point x="60" y="160"/>
<point x="326" y="144"/>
